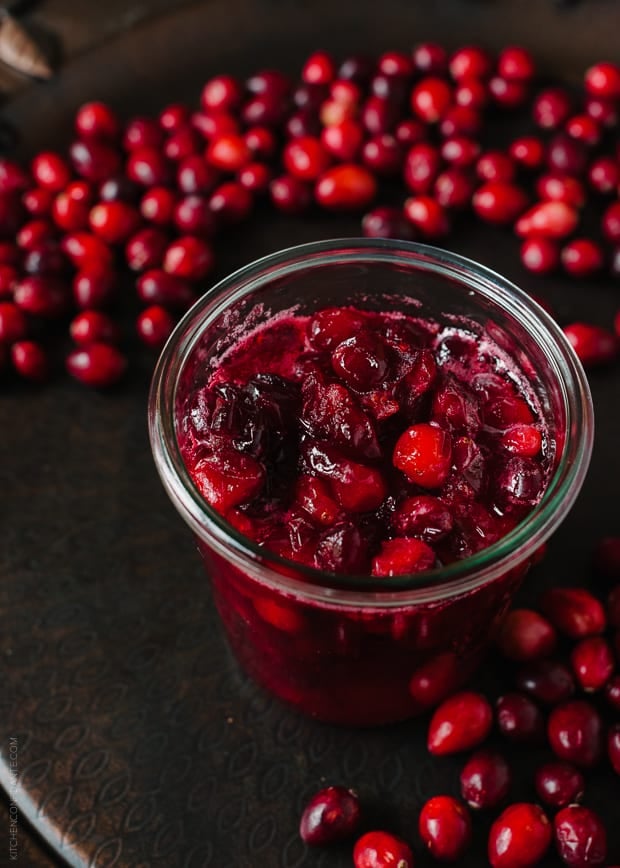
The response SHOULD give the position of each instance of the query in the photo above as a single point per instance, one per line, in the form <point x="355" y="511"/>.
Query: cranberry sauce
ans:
<point x="363" y="443"/>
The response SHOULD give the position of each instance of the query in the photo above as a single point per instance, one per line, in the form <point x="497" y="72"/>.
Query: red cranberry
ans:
<point x="228" y="153"/>
<point x="593" y="663"/>
<point x="159" y="287"/>
<point x="430" y="58"/>
<point x="146" y="249"/>
<point x="363" y="490"/>
<point x="551" y="108"/>
<point x="430" y="99"/>
<point x="13" y="178"/>
<point x="566" y="155"/>
<point x="185" y="142"/>
<point x="382" y="154"/>
<point x="343" y="140"/>
<point x="210" y="126"/>
<point x="84" y="249"/>
<point x="604" y="175"/>
<point x="423" y="516"/>
<point x="434" y="680"/>
<point x="424" y="454"/>
<point x="410" y="132"/>
<point x="154" y="326"/>
<point x="603" y="80"/>
<point x="223" y="93"/>
<point x="114" y="222"/>
<point x="70" y="214"/>
<point x="515" y="62"/>
<point x="50" y="171"/>
<point x="94" y="286"/>
<point x="495" y="166"/>
<point x="34" y="232"/>
<point x="94" y="160"/>
<point x="428" y="216"/>
<point x="228" y="480"/>
<point x="9" y="276"/>
<point x="319" y="68"/>
<point x="395" y="63"/>
<point x="261" y="141"/>
<point x="375" y="113"/>
<point x="333" y="814"/>
<point x="13" y="323"/>
<point x="386" y="222"/>
<point x="305" y="158"/>
<point x="460" y="151"/>
<point x="309" y="97"/>
<point x="594" y="345"/>
<point x="580" y="836"/>
<point x="330" y="326"/>
<point x="459" y="120"/>
<point x="528" y="152"/>
<point x="290" y="195"/>
<point x="378" y="116"/>
<point x="44" y="258"/>
<point x="610" y="223"/>
<point x="445" y="827"/>
<point x="268" y="109"/>
<point x="391" y="88"/>
<point x="194" y="176"/>
<point x="303" y="123"/>
<point x="189" y="257"/>
<point x="525" y="635"/>
<point x="574" y="611"/>
<point x="499" y="202"/>
<point x="402" y="556"/>
<point x="558" y="784"/>
<point x="38" y="202"/>
<point x="30" y="361"/>
<point x="471" y="93"/>
<point x="147" y="167"/>
<point x="91" y="326"/>
<point x="575" y="733"/>
<point x="231" y="203"/>
<point x="345" y="187"/>
<point x="524" y="440"/>
<point x="613" y="747"/>
<point x="519" y="719"/>
<point x="315" y="498"/>
<point x="453" y="189"/>
<point x="173" y="116"/>
<point x="360" y="361"/>
<point x="98" y="365"/>
<point x="561" y="188"/>
<point x="547" y="220"/>
<point x="422" y="165"/>
<point x="158" y="206"/>
<point x="118" y="190"/>
<point x="142" y="133"/>
<point x="193" y="216"/>
<point x="508" y="93"/>
<point x="549" y="681"/>
<point x="42" y="295"/>
<point x="97" y="120"/>
<point x="460" y="723"/>
<point x="381" y="850"/>
<point x="520" y="837"/>
<point x="583" y="129"/>
<point x="470" y="62"/>
<point x="602" y="111"/>
<point x="582" y="257"/>
<point x="485" y="780"/>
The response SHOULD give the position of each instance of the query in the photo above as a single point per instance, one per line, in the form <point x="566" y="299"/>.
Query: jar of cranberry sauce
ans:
<point x="316" y="358"/>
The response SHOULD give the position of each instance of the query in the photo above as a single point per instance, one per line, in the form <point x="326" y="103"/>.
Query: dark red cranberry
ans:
<point x="305" y="158"/>
<point x="561" y="188"/>
<point x="485" y="780"/>
<point x="603" y="80"/>
<point x="309" y="97"/>
<point x="261" y="141"/>
<point x="382" y="154"/>
<point x="13" y="323"/>
<point x="9" y="276"/>
<point x="97" y="120"/>
<point x="342" y="549"/>
<point x="580" y="836"/>
<point x="44" y="258"/>
<point x="528" y="151"/>
<point x="515" y="62"/>
<point x="30" y="361"/>
<point x="593" y="663"/>
<point x="612" y="693"/>
<point x="583" y="129"/>
<point x="159" y="287"/>
<point x="94" y="286"/>
<point x="610" y="223"/>
<point x="222" y="93"/>
<point x="613" y="747"/>
<point x="114" y="222"/>
<point x="524" y="440"/>
<point x="42" y="295"/>
<point x="604" y="175"/>
<point x="495" y="166"/>
<point x="547" y="220"/>
<point x="389" y="87"/>
<point x="430" y="58"/>
<point x="603" y="111"/>
<point x="265" y="110"/>
<point x="210" y="126"/>
<point x="460" y="151"/>
<point x="290" y="195"/>
<point x="34" y="232"/>
<point x="549" y="681"/>
<point x="94" y="160"/>
<point x="357" y="68"/>
<point x="189" y="257"/>
<point x="460" y="723"/>
<point x="231" y="202"/>
<point x="499" y="202"/>
<point x="594" y="345"/>
<point x="445" y="827"/>
<point x="173" y="116"/>
<point x="91" y="326"/>
<point x="410" y="132"/>
<point x="381" y="850"/>
<point x="118" y="189"/>
<point x="526" y="635"/>
<point x="508" y="93"/>
<point x="314" y="496"/>
<point x="13" y="177"/>
<point x="345" y="187"/>
<point x="38" y="201"/>
<point x="402" y="556"/>
<point x="80" y="191"/>
<point x="360" y="361"/>
<point x="386" y="222"/>
<point x="519" y="719"/>
<point x="520" y="837"/>
<point x="551" y="108"/>
<point x="333" y="814"/>
<point x="453" y="189"/>
<point x="423" y="516"/>
<point x="84" y="250"/>
<point x="146" y="249"/>
<point x="303" y="123"/>
<point x="98" y="365"/>
<point x="157" y="206"/>
<point x="582" y="257"/>
<point x="331" y="326"/>
<point x="154" y="326"/>
<point x="142" y="133"/>
<point x="147" y="167"/>
<point x="193" y="216"/>
<point x="430" y="99"/>
<point x="428" y="216"/>
<point x="471" y="93"/>
<point x="50" y="171"/>
<point x="194" y="176"/>
<point x="422" y="165"/>
<point x="566" y="155"/>
<point x="434" y="680"/>
<point x="575" y="733"/>
<point x="377" y="115"/>
<point x="185" y="142"/>
<point x="559" y="784"/>
<point x="460" y="120"/>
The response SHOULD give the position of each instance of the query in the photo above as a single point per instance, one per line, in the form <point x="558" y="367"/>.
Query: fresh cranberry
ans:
<point x="460" y="120"/>
<point x="403" y="556"/>
<point x="470" y="62"/>
<point x="381" y="850"/>
<point x="453" y="189"/>
<point x="173" y="116"/>
<point x="574" y="611"/>
<point x="97" y="120"/>
<point x="495" y="166"/>
<point x="343" y="140"/>
<point x="267" y="109"/>
<point x="38" y="202"/>
<point x="223" y="93"/>
<point x="430" y="58"/>
<point x="460" y="723"/>
<point x="580" y="836"/>
<point x="430" y="99"/>
<point x="395" y="63"/>
<point x="290" y="195"/>
<point x="583" y="129"/>
<point x="84" y="249"/>
<point x="561" y="188"/>
<point x="519" y="719"/>
<point x="559" y="784"/>
<point x="421" y="167"/>
<point x="303" y="123"/>
<point x="434" y="680"/>
<point x="13" y="177"/>
<point x="185" y="142"/>
<point x="471" y="93"/>
<point x="333" y="814"/>
<point x="30" y="361"/>
<point x="154" y="326"/>
<point x="34" y="232"/>
<point x="13" y="323"/>
<point x="382" y="154"/>
<point x="410" y="132"/>
<point x="610" y="223"/>
<point x="508" y="93"/>
<point x="228" y="153"/>
<point x="94" y="160"/>
<point x="98" y="365"/>
<point x="424" y="453"/>
<point x="593" y="663"/>
<point x="445" y="827"/>
<point x="147" y="167"/>
<point x="91" y="326"/>
<point x="485" y="780"/>
<point x="499" y="202"/>
<point x="305" y="158"/>
<point x="386" y="222"/>
<point x="146" y="249"/>
<point x="193" y="216"/>
<point x="526" y="635"/>
<point x="603" y="80"/>
<point x="528" y="151"/>
<point x="515" y="62"/>
<point x="604" y="112"/>
<point x="551" y="108"/>
<point x="159" y="287"/>
<point x="231" y="203"/>
<point x="376" y="113"/>
<point x="189" y="257"/>
<point x="604" y="175"/>
<point x="520" y="837"/>
<point x="594" y="345"/>
<point x="566" y="155"/>
<point x="428" y="216"/>
<point x="94" y="286"/>
<point x="575" y="733"/>
<point x="42" y="295"/>
<point x="460" y="151"/>
<point x="44" y="257"/>
<point x="345" y="187"/>
<point x="547" y="220"/>
<point x="9" y="276"/>
<point x="319" y="68"/>
<point x="582" y="257"/>
<point x="50" y="171"/>
<point x="118" y="189"/>
<point x="142" y="133"/>
<point x="261" y="141"/>
<point x="613" y="747"/>
<point x="157" y="206"/>
<point x="210" y="126"/>
<point x="392" y="88"/>
<point x="114" y="222"/>
<point x="549" y="681"/>
<point x="309" y="97"/>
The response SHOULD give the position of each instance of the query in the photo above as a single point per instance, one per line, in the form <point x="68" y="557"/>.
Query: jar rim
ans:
<point x="458" y="577"/>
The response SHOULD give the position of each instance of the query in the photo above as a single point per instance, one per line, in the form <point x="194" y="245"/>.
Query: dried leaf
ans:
<point x="19" y="50"/>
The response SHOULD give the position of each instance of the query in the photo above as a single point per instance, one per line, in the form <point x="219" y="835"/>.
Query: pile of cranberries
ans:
<point x="150" y="197"/>
<point x="565" y="663"/>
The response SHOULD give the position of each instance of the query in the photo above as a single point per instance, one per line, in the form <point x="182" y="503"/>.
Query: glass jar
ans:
<point x="353" y="649"/>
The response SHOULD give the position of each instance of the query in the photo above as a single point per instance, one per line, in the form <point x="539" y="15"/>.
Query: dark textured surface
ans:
<point x="140" y="744"/>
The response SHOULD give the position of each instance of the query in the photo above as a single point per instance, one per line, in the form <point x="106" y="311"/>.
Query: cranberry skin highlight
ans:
<point x="445" y="827"/>
<point x="460" y="723"/>
<point x="520" y="837"/>
<point x="333" y="814"/>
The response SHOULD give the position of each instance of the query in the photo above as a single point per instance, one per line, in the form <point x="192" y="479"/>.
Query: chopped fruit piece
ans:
<point x="401" y="556"/>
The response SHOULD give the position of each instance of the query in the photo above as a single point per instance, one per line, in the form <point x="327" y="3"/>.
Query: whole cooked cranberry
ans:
<point x="499" y="202"/>
<point x="386" y="222"/>
<point x="520" y="837"/>
<point x="445" y="827"/>
<point x="551" y="108"/>
<point x="157" y="206"/>
<point x="91" y="326"/>
<point x="50" y="171"/>
<point x="580" y="836"/>
<point x="574" y="611"/>
<point x="519" y="719"/>
<point x="423" y="516"/>
<point x="460" y="120"/>
<point x="518" y="481"/>
<point x="42" y="295"/>
<point x="94" y="286"/>
<point x="142" y="133"/>
<point x="315" y="497"/>
<point x="38" y="201"/>
<point x="427" y="216"/>
<point x="424" y="453"/>
<point x="381" y="850"/>
<point x="430" y="99"/>
<point x="594" y="345"/>
<point x="189" y="257"/>
<point x="508" y="93"/>
<point x="485" y="780"/>
<point x="345" y="187"/>
<point x="526" y="635"/>
<point x="97" y="120"/>
<point x="434" y="680"/>
<point x="290" y="195"/>
<point x="261" y="141"/>
<point x="84" y="250"/>
<point x="559" y="784"/>
<point x="582" y="257"/>
<point x="330" y="326"/>
<point x="540" y="255"/>
<point x="158" y="287"/>
<point x="193" y="216"/>
<point x="403" y="556"/>
<point x="342" y="549"/>
<point x="146" y="249"/>
<point x="147" y="167"/>
<point x="255" y="177"/>
<point x="593" y="663"/>
<point x="603" y="80"/>
<point x="610" y="223"/>
<point x="360" y="361"/>
<point x="547" y="220"/>
<point x="575" y="733"/>
<point x="222" y="93"/>
<point x="94" y="160"/>
<point x="604" y="175"/>
<point x="13" y="323"/>
<point x="549" y="681"/>
<point x="343" y="140"/>
<point x="333" y="814"/>
<point x="515" y="62"/>
<point x="182" y="144"/>
<point x="360" y="489"/>
<point x="30" y="361"/>
<point x="154" y="326"/>
<point x="613" y="747"/>
<point x="495" y="166"/>
<point x="98" y="365"/>
<point x="421" y="167"/>
<point x="231" y="203"/>
<point x="564" y="154"/>
<point x="460" y="723"/>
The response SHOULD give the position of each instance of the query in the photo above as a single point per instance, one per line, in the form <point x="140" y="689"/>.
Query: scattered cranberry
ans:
<point x="427" y="216"/>
<point x="485" y="780"/>
<point x="42" y="295"/>
<point x="30" y="361"/>
<point x="574" y="611"/>
<point x="551" y="108"/>
<point x="13" y="323"/>
<point x="508" y="93"/>
<point x="526" y="635"/>
<point x="520" y="837"/>
<point x="495" y="166"/>
<point x="434" y="680"/>
<point x="604" y="175"/>
<point x="593" y="663"/>
<point x="445" y="827"/>
<point x="92" y="326"/>
<point x="471" y="93"/>
<point x="559" y="784"/>
<point x="575" y="733"/>
<point x="515" y="62"/>
<point x="603" y="80"/>
<point x="222" y="93"/>
<point x="142" y="133"/>
<point x="147" y="167"/>
<point x="566" y="155"/>
<point x="50" y="171"/>
<point x="38" y="202"/>
<point x="184" y="143"/>
<point x="387" y="222"/>
<point x="430" y="58"/>
<point x="548" y="681"/>
<point x="430" y="99"/>
<point x="381" y="850"/>
<point x="453" y="189"/>
<point x="255" y="177"/>
<point x="561" y="188"/>
<point x="528" y="152"/>
<point x="460" y="723"/>
<point x="95" y="160"/>
<point x="94" y="286"/>
<point x="345" y="187"/>
<point x="499" y="202"/>
<point x="158" y="287"/>
<point x="189" y="257"/>
<point x="114" y="222"/>
<point x="9" y="277"/>
<point x="97" y="120"/>
<point x="519" y="719"/>
<point x="594" y="345"/>
<point x="154" y="326"/>
<point x="157" y="206"/>
<point x="582" y="257"/>
<point x="231" y="203"/>
<point x="261" y="141"/>
<point x="421" y="167"/>
<point x="583" y="129"/>
<point x="331" y="815"/>
<point x="460" y="120"/>
<point x="290" y="195"/>
<point x="580" y="836"/>
<point x="613" y="747"/>
<point x="98" y="365"/>
<point x="548" y="220"/>
<point x="610" y="223"/>
<point x="85" y="250"/>
<point x="382" y="154"/>
<point x="343" y="140"/>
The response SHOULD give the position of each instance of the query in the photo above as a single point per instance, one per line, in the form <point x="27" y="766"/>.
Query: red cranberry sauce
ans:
<point x="363" y="443"/>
